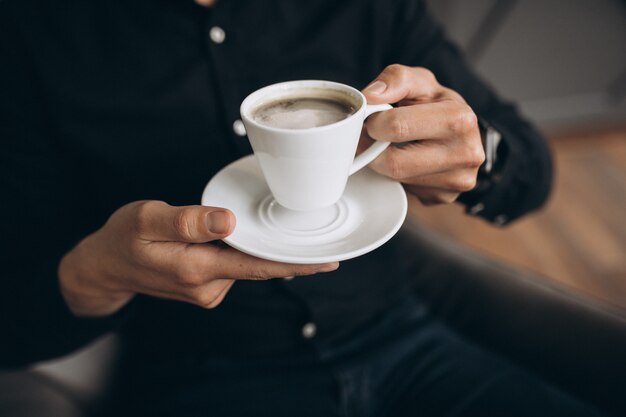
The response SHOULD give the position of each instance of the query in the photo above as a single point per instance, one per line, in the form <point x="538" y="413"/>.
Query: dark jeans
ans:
<point x="405" y="363"/>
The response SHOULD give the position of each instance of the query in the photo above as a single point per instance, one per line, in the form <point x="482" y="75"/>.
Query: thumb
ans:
<point x="375" y="92"/>
<point x="158" y="221"/>
<point x="398" y="82"/>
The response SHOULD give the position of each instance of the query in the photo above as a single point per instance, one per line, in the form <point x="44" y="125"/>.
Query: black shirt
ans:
<point x="107" y="102"/>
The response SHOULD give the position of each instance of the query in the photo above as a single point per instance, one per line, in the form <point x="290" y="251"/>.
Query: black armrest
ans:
<point x="575" y="342"/>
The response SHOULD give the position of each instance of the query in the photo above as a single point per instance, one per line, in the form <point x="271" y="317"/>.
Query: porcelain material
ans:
<point x="369" y="213"/>
<point x="307" y="169"/>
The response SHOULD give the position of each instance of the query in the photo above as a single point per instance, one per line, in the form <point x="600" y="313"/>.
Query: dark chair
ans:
<point x="575" y="342"/>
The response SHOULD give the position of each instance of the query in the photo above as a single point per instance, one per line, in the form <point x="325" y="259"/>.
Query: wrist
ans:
<point x="82" y="295"/>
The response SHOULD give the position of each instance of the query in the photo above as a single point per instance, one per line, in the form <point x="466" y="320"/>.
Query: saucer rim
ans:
<point x="308" y="260"/>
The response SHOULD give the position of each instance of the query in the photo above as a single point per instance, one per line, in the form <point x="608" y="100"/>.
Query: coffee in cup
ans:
<point x="303" y="112"/>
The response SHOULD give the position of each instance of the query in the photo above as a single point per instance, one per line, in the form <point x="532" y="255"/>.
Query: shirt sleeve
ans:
<point x="522" y="179"/>
<point x="39" y="216"/>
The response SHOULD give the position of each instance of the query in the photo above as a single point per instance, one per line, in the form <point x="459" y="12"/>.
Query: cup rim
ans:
<point x="253" y="97"/>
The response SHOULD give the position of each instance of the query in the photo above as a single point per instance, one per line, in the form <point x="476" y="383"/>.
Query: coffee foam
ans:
<point x="303" y="113"/>
<point x="304" y="108"/>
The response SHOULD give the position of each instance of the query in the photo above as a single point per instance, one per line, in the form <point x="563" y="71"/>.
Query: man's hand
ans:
<point x="150" y="247"/>
<point x="440" y="147"/>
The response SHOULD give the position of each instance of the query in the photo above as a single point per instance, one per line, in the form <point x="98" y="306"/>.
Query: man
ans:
<point x="115" y="114"/>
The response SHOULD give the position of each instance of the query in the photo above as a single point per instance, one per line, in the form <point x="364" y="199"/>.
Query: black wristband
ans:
<point x="489" y="174"/>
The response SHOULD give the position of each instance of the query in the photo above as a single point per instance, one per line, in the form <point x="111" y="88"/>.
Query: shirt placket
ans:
<point x="225" y="62"/>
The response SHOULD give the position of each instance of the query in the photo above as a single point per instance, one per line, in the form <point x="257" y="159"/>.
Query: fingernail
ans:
<point x="329" y="267"/>
<point x="218" y="222"/>
<point x="377" y="87"/>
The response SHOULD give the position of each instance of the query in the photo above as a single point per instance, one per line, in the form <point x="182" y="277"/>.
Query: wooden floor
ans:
<point x="579" y="238"/>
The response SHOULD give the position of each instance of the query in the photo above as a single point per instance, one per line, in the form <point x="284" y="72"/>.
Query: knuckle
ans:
<point x="471" y="156"/>
<point x="463" y="121"/>
<point x="141" y="215"/>
<point x="208" y="297"/>
<point x="425" y="74"/>
<point x="395" y="169"/>
<point x="429" y="84"/>
<point x="183" y="224"/>
<point x="476" y="156"/>
<point x="399" y="72"/>
<point x="464" y="183"/>
<point x="189" y="277"/>
<point x="395" y="69"/>
<point x="398" y="126"/>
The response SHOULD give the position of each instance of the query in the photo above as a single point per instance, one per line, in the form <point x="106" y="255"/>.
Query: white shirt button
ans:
<point x="217" y="34"/>
<point x="501" y="220"/>
<point x="239" y="128"/>
<point x="309" y="330"/>
<point x="477" y="208"/>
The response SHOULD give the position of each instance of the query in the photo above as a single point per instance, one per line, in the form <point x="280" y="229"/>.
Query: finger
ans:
<point x="430" y="196"/>
<point x="427" y="157"/>
<point x="444" y="119"/>
<point x="178" y="281"/>
<point x="398" y="82"/>
<point x="212" y="294"/>
<point x="443" y="94"/>
<point x="456" y="181"/>
<point x="158" y="221"/>
<point x="208" y="296"/>
<point x="233" y="264"/>
<point x="175" y="265"/>
<point x="223" y="293"/>
<point x="175" y="295"/>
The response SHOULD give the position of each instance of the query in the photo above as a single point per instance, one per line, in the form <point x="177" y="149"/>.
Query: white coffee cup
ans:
<point x="308" y="168"/>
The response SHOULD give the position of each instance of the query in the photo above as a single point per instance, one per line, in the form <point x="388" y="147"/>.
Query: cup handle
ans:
<point x="377" y="147"/>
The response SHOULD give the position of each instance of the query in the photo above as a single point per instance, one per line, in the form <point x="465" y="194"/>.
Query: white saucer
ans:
<point x="370" y="212"/>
